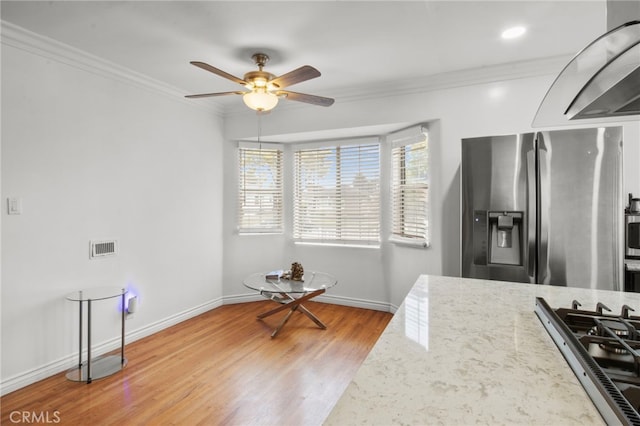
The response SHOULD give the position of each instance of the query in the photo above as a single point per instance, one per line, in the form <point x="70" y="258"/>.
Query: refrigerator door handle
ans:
<point x="531" y="215"/>
<point x="543" y="211"/>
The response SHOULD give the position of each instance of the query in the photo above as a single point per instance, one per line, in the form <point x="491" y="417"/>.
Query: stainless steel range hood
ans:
<point x="615" y="89"/>
<point x="602" y="82"/>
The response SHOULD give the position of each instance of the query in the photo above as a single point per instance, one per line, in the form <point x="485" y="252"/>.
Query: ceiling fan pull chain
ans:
<point x="259" y="114"/>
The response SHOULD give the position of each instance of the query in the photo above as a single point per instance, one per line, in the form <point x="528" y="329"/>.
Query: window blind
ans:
<point x="337" y="194"/>
<point x="260" y="195"/>
<point x="410" y="189"/>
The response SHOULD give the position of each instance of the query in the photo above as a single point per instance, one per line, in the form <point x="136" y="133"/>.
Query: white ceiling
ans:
<point x="359" y="47"/>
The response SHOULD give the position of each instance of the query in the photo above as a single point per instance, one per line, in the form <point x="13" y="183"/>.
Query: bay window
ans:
<point x="260" y="195"/>
<point x="337" y="194"/>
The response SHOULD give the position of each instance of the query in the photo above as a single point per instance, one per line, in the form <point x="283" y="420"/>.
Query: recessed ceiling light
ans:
<point x="513" y="32"/>
<point x="496" y="92"/>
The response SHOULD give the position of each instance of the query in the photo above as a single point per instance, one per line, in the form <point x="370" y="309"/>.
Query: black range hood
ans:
<point x="601" y="83"/>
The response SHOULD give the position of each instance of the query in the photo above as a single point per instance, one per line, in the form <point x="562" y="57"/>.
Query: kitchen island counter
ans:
<point x="461" y="351"/>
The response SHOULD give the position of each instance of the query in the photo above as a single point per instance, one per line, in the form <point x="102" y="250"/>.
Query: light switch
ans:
<point x="14" y="205"/>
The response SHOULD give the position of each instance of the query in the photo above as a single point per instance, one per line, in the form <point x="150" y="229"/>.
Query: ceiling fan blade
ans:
<point x="208" y="95"/>
<point x="219" y="72"/>
<point x="298" y="75"/>
<point x="303" y="97"/>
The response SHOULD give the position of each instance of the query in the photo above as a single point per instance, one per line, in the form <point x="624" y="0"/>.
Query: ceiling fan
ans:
<point x="265" y="88"/>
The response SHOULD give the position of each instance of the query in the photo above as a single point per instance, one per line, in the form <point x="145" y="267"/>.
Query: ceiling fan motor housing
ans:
<point x="258" y="78"/>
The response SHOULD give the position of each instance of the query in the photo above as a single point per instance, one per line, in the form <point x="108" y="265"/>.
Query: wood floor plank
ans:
<point x="219" y="368"/>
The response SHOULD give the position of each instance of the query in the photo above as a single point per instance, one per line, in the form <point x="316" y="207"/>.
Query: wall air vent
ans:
<point x="102" y="248"/>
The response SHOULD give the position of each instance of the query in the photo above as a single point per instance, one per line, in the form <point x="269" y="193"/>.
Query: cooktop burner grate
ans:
<point x="606" y="393"/>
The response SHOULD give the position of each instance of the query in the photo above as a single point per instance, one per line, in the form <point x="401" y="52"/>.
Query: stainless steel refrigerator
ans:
<point x="544" y="207"/>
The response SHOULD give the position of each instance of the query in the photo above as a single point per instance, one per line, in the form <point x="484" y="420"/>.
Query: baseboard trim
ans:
<point x="172" y="320"/>
<point x="65" y="363"/>
<point x="325" y="298"/>
<point x="355" y="303"/>
<point x="242" y="298"/>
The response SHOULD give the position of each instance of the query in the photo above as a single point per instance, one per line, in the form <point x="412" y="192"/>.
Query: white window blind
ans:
<point x="337" y="194"/>
<point x="260" y="190"/>
<point x="410" y="187"/>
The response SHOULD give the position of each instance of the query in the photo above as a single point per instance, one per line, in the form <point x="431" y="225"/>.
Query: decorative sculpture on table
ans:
<point x="297" y="271"/>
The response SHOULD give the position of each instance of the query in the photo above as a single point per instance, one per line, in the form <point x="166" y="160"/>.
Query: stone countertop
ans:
<point x="463" y="351"/>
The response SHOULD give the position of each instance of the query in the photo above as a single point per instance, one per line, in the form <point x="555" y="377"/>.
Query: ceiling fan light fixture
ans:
<point x="260" y="100"/>
<point x="264" y="88"/>
<point x="513" y="32"/>
<point x="260" y="82"/>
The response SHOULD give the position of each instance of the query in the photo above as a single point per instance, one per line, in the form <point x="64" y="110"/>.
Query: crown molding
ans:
<point x="550" y="66"/>
<point x="461" y="78"/>
<point x="23" y="39"/>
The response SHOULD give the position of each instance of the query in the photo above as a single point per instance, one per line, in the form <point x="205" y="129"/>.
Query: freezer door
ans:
<point x="498" y="229"/>
<point x="580" y="207"/>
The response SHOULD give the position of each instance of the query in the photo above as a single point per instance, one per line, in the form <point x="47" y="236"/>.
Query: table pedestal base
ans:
<point x="293" y="304"/>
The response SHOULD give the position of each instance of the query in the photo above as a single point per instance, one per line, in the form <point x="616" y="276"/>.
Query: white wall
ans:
<point x="93" y="157"/>
<point x="385" y="275"/>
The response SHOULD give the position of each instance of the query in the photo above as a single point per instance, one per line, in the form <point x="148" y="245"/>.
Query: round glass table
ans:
<point x="290" y="294"/>
<point x="102" y="366"/>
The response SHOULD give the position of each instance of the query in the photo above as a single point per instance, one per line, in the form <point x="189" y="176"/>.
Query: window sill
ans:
<point x="253" y="234"/>
<point x="337" y="244"/>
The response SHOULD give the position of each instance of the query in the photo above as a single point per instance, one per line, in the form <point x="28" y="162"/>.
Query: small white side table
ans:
<point x="102" y="366"/>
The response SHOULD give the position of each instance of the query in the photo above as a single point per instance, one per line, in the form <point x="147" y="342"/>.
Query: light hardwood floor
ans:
<point x="219" y="368"/>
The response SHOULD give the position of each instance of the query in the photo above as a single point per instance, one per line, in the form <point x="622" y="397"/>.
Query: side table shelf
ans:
<point x="101" y="366"/>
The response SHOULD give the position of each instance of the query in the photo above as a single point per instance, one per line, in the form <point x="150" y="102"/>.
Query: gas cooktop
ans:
<point x="603" y="350"/>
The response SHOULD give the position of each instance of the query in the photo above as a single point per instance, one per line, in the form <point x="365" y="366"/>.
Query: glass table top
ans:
<point x="96" y="293"/>
<point x="312" y="281"/>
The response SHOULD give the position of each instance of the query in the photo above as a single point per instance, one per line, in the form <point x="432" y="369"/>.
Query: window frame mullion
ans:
<point x="410" y="193"/>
